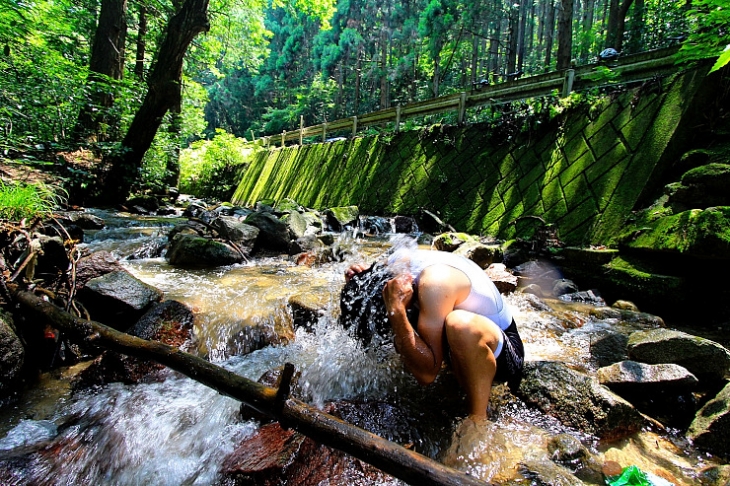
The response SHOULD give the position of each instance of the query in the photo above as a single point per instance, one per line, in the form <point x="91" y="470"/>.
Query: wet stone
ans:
<point x="710" y="430"/>
<point x="502" y="278"/>
<point x="608" y="347"/>
<point x="273" y="456"/>
<point x="578" y="400"/>
<point x="706" y="359"/>
<point x="95" y="265"/>
<point x="546" y="473"/>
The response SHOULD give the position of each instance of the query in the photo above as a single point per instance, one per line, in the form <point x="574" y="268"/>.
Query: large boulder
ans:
<point x="663" y="391"/>
<point x="274" y="233"/>
<point x="168" y="322"/>
<point x="194" y="250"/>
<point x="118" y="299"/>
<point x="451" y="241"/>
<point x="273" y="456"/>
<point x="296" y="223"/>
<point x="698" y="233"/>
<point x="703" y="187"/>
<point x="578" y="400"/>
<point x="95" y="265"/>
<point x="12" y="353"/>
<point x="706" y="359"/>
<point x="481" y="254"/>
<point x="340" y="217"/>
<point x="242" y="234"/>
<point x="710" y="429"/>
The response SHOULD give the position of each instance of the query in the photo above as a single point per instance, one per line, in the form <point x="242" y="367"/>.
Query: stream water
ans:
<point x="178" y="432"/>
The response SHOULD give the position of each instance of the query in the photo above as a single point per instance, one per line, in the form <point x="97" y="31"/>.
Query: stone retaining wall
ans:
<point x="585" y="172"/>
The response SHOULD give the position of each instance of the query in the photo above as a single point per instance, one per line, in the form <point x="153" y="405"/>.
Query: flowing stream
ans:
<point x="177" y="431"/>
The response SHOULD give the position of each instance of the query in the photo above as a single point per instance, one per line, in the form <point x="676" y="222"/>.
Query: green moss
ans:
<point x="714" y="174"/>
<point x="697" y="233"/>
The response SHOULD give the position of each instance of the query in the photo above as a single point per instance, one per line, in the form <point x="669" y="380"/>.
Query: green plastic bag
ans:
<point x="630" y="476"/>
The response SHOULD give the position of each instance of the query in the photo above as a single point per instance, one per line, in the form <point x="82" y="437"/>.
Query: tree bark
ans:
<point x="549" y="33"/>
<point x="141" y="43"/>
<point x="327" y="429"/>
<point x="107" y="62"/>
<point x="621" y="24"/>
<point x="162" y="95"/>
<point x="565" y="34"/>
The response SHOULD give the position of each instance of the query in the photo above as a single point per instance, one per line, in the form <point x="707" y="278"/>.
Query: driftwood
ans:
<point x="387" y="456"/>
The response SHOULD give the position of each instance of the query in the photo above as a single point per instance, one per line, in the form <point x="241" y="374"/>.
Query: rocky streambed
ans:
<point x="606" y="386"/>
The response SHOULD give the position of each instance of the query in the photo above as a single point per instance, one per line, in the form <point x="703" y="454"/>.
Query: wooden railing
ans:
<point x="628" y="69"/>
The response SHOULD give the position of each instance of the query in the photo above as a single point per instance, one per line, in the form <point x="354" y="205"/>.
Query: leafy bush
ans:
<point x="209" y="168"/>
<point x="19" y="201"/>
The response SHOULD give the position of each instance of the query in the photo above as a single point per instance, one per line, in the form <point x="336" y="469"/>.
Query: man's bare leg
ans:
<point x="472" y="340"/>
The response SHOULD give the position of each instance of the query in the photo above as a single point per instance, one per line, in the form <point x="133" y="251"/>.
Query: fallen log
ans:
<point x="387" y="456"/>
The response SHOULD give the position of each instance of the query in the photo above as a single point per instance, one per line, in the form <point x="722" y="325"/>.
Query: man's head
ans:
<point x="362" y="305"/>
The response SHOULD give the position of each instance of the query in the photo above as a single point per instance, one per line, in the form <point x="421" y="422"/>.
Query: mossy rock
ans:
<point x="631" y="277"/>
<point x="288" y="205"/>
<point x="696" y="233"/>
<point x="339" y="217"/>
<point x="452" y="241"/>
<point x="713" y="176"/>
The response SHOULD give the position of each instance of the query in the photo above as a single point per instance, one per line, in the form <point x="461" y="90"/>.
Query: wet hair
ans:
<point x="362" y="305"/>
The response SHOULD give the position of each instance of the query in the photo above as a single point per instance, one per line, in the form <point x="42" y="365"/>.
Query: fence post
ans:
<point x="397" y="117"/>
<point x="354" y="125"/>
<point x="283" y="136"/>
<point x="324" y="132"/>
<point x="253" y="137"/>
<point x="301" y="128"/>
<point x="462" y="107"/>
<point x="568" y="82"/>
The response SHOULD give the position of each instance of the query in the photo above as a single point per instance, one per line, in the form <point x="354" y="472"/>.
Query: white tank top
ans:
<point x="483" y="299"/>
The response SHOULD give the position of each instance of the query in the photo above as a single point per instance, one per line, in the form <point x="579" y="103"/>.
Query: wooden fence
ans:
<point x="628" y="69"/>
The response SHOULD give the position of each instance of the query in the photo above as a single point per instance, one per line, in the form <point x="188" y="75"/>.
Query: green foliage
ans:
<point x="709" y="36"/>
<point x="209" y="167"/>
<point x="20" y="201"/>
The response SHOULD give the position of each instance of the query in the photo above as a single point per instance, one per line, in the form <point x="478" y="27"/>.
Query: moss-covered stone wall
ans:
<point x="583" y="173"/>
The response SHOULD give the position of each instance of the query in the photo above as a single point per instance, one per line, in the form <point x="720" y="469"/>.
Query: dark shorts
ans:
<point x="511" y="358"/>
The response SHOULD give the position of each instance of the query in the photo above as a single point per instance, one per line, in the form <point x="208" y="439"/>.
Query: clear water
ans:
<point x="179" y="432"/>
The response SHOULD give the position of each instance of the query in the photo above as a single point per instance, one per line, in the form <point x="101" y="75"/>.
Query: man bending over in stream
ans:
<point x="461" y="319"/>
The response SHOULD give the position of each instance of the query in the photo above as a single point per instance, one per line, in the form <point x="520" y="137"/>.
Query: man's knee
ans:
<point x="464" y="327"/>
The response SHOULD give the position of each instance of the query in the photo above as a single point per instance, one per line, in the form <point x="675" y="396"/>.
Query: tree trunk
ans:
<point x="522" y="35"/>
<point x="436" y="74"/>
<point x="141" y="43"/>
<point x="621" y="24"/>
<point x="636" y="28"/>
<point x="549" y="33"/>
<point x="162" y="95"/>
<point x="565" y="34"/>
<point x="612" y="23"/>
<point x="330" y="431"/>
<point x="587" y="26"/>
<point x="358" y="78"/>
<point x="107" y="62"/>
<point x="513" y="31"/>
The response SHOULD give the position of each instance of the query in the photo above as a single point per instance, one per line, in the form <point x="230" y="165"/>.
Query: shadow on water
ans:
<point x="177" y="431"/>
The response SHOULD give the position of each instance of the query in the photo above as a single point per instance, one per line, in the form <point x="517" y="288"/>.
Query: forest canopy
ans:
<point x="127" y="79"/>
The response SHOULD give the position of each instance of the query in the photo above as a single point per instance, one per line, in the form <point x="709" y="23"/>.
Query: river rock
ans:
<point x="376" y="225"/>
<point x="296" y="223"/>
<point x="608" y="347"/>
<point x="118" y="299"/>
<point x="704" y="186"/>
<point x="12" y="353"/>
<point x="710" y="429"/>
<point x="625" y="305"/>
<point x="546" y="473"/>
<point x="663" y="391"/>
<point x="715" y="475"/>
<point x="564" y="286"/>
<point x="274" y="456"/>
<point x="404" y="224"/>
<point x="307" y="308"/>
<point x="81" y="219"/>
<point x="578" y="400"/>
<point x="193" y="250"/>
<point x="706" y="359"/>
<point x="451" y="241"/>
<point x="274" y="233"/>
<point x="481" y="254"/>
<point x="586" y="297"/>
<point x="242" y="234"/>
<point x="339" y="217"/>
<point x="502" y="278"/>
<point x="570" y="453"/>
<point x="95" y="265"/>
<point x="626" y="315"/>
<point x="168" y="322"/>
